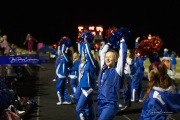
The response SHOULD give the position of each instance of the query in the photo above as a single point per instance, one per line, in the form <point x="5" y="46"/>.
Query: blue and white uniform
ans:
<point x="127" y="89"/>
<point x="62" y="73"/>
<point x="87" y="84"/>
<point x="74" y="75"/>
<point x="160" y="104"/>
<point x="109" y="82"/>
<point x="136" y="85"/>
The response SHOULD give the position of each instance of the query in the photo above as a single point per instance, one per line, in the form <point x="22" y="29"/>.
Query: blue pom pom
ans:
<point x="68" y="43"/>
<point x="123" y="33"/>
<point x="117" y="35"/>
<point x="63" y="40"/>
<point x="88" y="35"/>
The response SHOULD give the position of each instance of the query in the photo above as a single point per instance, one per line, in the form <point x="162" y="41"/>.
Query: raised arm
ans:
<point x="122" y="57"/>
<point x="88" y="53"/>
<point x="103" y="52"/>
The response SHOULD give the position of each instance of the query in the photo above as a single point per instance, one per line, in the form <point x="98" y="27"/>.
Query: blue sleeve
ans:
<point x="152" y="110"/>
<point x="75" y="66"/>
<point x="88" y="54"/>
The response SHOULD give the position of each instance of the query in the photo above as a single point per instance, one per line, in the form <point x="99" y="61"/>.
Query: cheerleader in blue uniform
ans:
<point x="87" y="80"/>
<point x="111" y="77"/>
<point x="62" y="73"/>
<point x="109" y="83"/>
<point x="129" y="71"/>
<point x="74" y="73"/>
<point x="162" y="98"/>
<point x="136" y="85"/>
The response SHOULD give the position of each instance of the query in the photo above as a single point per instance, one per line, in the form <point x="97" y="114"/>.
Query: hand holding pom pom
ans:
<point x="137" y="39"/>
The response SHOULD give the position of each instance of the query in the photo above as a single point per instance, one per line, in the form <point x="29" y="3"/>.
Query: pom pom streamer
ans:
<point x="149" y="45"/>
<point x="114" y="36"/>
<point x="65" y="40"/>
<point x="88" y="35"/>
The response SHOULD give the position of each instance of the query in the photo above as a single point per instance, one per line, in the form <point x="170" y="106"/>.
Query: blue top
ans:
<point x="160" y="103"/>
<point x="165" y="54"/>
<point x="87" y="79"/>
<point x="74" y="70"/>
<point x="109" y="79"/>
<point x="173" y="59"/>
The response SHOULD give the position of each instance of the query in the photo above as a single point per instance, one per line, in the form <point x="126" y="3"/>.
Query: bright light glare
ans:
<point x="94" y="33"/>
<point x="91" y="27"/>
<point x="80" y="28"/>
<point x="99" y="29"/>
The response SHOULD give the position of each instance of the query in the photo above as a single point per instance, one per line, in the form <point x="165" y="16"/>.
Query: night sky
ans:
<point x="49" y="21"/>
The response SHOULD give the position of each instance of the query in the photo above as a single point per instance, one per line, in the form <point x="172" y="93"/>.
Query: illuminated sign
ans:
<point x="97" y="31"/>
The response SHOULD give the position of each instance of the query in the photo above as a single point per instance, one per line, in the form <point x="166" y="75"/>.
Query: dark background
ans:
<point x="49" y="21"/>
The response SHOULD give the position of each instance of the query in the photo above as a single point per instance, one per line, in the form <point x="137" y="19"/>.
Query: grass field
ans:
<point x="147" y="63"/>
<point x="177" y="80"/>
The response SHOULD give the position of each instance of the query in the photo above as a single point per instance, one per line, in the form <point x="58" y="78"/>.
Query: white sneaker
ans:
<point x="66" y="103"/>
<point x="120" y="105"/>
<point x="140" y="100"/>
<point x="20" y="113"/>
<point x="71" y="96"/>
<point x="81" y="116"/>
<point x="125" y="108"/>
<point x="59" y="103"/>
<point x="54" y="80"/>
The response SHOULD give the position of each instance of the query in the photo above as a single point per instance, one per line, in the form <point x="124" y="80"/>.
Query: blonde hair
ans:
<point x="96" y="56"/>
<point x="115" y="54"/>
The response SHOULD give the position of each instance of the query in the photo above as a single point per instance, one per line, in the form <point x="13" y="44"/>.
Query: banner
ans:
<point x="23" y="59"/>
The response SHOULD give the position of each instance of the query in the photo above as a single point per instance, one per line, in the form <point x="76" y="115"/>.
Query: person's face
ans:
<point x="167" y="63"/>
<point x="110" y="59"/>
<point x="4" y="37"/>
<point x="75" y="56"/>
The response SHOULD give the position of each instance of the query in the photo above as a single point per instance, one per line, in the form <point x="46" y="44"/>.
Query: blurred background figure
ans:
<point x="173" y="62"/>
<point x="165" y="52"/>
<point x="4" y="45"/>
<point x="30" y="40"/>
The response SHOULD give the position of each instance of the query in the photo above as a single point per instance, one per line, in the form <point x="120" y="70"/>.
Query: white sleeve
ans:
<point x="122" y="57"/>
<point x="102" y="54"/>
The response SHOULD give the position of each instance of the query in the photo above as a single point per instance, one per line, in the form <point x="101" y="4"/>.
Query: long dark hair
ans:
<point x="158" y="77"/>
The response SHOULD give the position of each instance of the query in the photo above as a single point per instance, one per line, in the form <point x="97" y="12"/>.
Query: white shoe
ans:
<point x="20" y="113"/>
<point x="140" y="100"/>
<point x="66" y="103"/>
<point x="54" y="80"/>
<point x="81" y="116"/>
<point x="59" y="103"/>
<point x="125" y="108"/>
<point x="71" y="96"/>
<point x="120" y="105"/>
